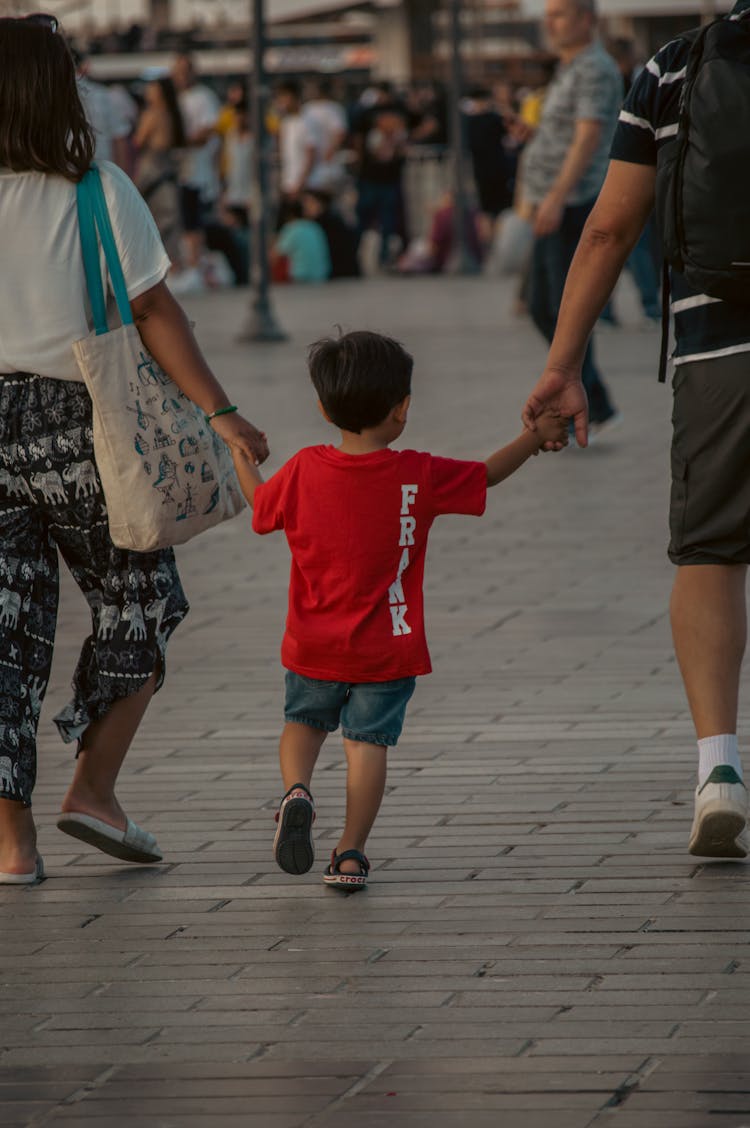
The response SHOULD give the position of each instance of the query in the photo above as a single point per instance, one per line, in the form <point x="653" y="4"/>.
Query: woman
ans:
<point x="160" y="132"/>
<point x="50" y="495"/>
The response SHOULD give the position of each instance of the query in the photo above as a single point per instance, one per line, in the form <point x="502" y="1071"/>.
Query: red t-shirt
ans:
<point x="357" y="528"/>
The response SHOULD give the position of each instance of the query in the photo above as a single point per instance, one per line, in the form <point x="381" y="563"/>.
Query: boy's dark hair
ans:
<point x="359" y="378"/>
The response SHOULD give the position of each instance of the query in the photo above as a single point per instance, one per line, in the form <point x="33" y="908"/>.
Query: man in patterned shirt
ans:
<point x="564" y="166"/>
<point x="710" y="500"/>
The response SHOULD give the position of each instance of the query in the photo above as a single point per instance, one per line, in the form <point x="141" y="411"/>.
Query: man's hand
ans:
<point x="563" y="393"/>
<point x="549" y="215"/>
<point x="242" y="437"/>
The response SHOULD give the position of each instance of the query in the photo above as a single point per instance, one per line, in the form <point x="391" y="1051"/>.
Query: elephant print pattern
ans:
<point x="51" y="501"/>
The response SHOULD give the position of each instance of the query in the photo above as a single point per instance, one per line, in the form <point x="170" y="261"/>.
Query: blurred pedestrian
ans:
<point x="199" y="171"/>
<point x="564" y="166"/>
<point x="326" y="123"/>
<point x="485" y="137"/>
<point x="296" y="146"/>
<point x="104" y="113"/>
<point x="159" y="136"/>
<point x="381" y="136"/>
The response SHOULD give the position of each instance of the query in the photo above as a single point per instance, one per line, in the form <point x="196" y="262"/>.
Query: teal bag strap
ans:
<point x="101" y="215"/>
<point x="90" y="252"/>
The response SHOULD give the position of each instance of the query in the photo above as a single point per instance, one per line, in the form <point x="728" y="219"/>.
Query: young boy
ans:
<point x="356" y="517"/>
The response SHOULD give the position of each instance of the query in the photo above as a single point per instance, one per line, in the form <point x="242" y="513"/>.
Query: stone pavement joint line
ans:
<point x="536" y="946"/>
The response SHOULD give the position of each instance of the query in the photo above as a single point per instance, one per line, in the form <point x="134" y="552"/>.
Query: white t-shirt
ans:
<point x="326" y="124"/>
<point x="294" y="143"/>
<point x="103" y="115"/>
<point x="44" y="304"/>
<point x="200" y="109"/>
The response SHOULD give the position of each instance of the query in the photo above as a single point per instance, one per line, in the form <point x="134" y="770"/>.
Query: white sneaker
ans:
<point x="720" y="816"/>
<point x="188" y="282"/>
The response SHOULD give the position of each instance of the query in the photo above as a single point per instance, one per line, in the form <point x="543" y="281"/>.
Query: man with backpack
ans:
<point x="682" y="143"/>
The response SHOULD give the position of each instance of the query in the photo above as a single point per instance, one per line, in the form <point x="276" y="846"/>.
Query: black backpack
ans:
<point x="703" y="174"/>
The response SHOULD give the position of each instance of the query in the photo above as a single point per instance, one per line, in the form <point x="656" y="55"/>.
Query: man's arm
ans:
<point x="612" y="230"/>
<point x="586" y="140"/>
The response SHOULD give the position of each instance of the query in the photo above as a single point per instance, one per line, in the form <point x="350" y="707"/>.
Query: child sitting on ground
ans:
<point x="301" y="249"/>
<point x="357" y="517"/>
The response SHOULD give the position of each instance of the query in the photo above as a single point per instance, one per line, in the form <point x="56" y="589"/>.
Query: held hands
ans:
<point x="552" y="430"/>
<point x="561" y="391"/>
<point x="242" y="437"/>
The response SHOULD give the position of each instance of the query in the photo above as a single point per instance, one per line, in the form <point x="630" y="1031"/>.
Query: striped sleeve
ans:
<point x="649" y="115"/>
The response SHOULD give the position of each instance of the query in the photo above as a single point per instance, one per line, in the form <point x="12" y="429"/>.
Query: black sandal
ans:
<point x="293" y="845"/>
<point x="348" y="882"/>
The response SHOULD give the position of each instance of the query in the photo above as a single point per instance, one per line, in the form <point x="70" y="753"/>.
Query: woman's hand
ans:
<point x="240" y="435"/>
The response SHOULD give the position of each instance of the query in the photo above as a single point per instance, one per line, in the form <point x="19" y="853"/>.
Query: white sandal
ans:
<point x="133" y="844"/>
<point x="24" y="878"/>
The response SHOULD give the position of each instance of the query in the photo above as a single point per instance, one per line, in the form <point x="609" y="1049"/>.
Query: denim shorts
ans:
<point x="371" y="712"/>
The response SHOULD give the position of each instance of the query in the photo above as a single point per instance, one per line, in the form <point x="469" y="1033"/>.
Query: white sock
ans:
<point x="715" y="751"/>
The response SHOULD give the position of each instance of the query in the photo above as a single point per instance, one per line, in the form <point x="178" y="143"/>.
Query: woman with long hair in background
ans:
<point x="159" y="136"/>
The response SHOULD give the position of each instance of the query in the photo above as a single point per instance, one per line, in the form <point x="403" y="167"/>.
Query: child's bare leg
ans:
<point x="298" y="753"/>
<point x="365" y="785"/>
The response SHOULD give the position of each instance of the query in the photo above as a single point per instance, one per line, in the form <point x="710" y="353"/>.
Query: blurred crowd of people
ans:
<point x="346" y="164"/>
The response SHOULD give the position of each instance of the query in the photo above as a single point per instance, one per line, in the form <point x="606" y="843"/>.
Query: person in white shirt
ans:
<point x="296" y="148"/>
<point x="199" y="174"/>
<point x="327" y="127"/>
<point x="51" y="498"/>
<point x="104" y="114"/>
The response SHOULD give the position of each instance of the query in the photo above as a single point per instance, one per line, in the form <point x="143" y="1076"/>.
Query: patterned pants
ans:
<point x="51" y="499"/>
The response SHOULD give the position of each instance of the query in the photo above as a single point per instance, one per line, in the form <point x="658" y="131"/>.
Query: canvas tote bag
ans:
<point x="165" y="473"/>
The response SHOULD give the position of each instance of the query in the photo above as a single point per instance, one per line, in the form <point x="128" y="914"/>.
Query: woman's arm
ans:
<point x="166" y="333"/>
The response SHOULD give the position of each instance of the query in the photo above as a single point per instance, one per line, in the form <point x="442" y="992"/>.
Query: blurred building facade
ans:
<point x="400" y="40"/>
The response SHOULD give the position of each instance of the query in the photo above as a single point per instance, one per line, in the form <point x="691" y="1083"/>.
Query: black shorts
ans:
<point x="709" y="512"/>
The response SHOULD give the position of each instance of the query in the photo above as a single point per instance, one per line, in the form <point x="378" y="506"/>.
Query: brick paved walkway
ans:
<point x="536" y="948"/>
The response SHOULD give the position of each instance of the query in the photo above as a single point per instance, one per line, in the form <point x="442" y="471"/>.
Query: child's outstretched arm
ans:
<point x="551" y="428"/>
<point x="248" y="473"/>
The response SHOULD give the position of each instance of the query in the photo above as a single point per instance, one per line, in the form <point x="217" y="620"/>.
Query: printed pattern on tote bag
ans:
<point x="179" y="452"/>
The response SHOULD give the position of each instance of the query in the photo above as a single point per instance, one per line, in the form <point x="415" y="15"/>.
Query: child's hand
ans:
<point x="551" y="427"/>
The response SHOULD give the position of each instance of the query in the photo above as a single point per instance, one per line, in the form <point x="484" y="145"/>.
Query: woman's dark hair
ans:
<point x="359" y="378"/>
<point x="43" y="126"/>
<point x="169" y="94"/>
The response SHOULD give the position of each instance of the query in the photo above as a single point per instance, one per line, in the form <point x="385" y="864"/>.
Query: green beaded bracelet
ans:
<point x="221" y="411"/>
